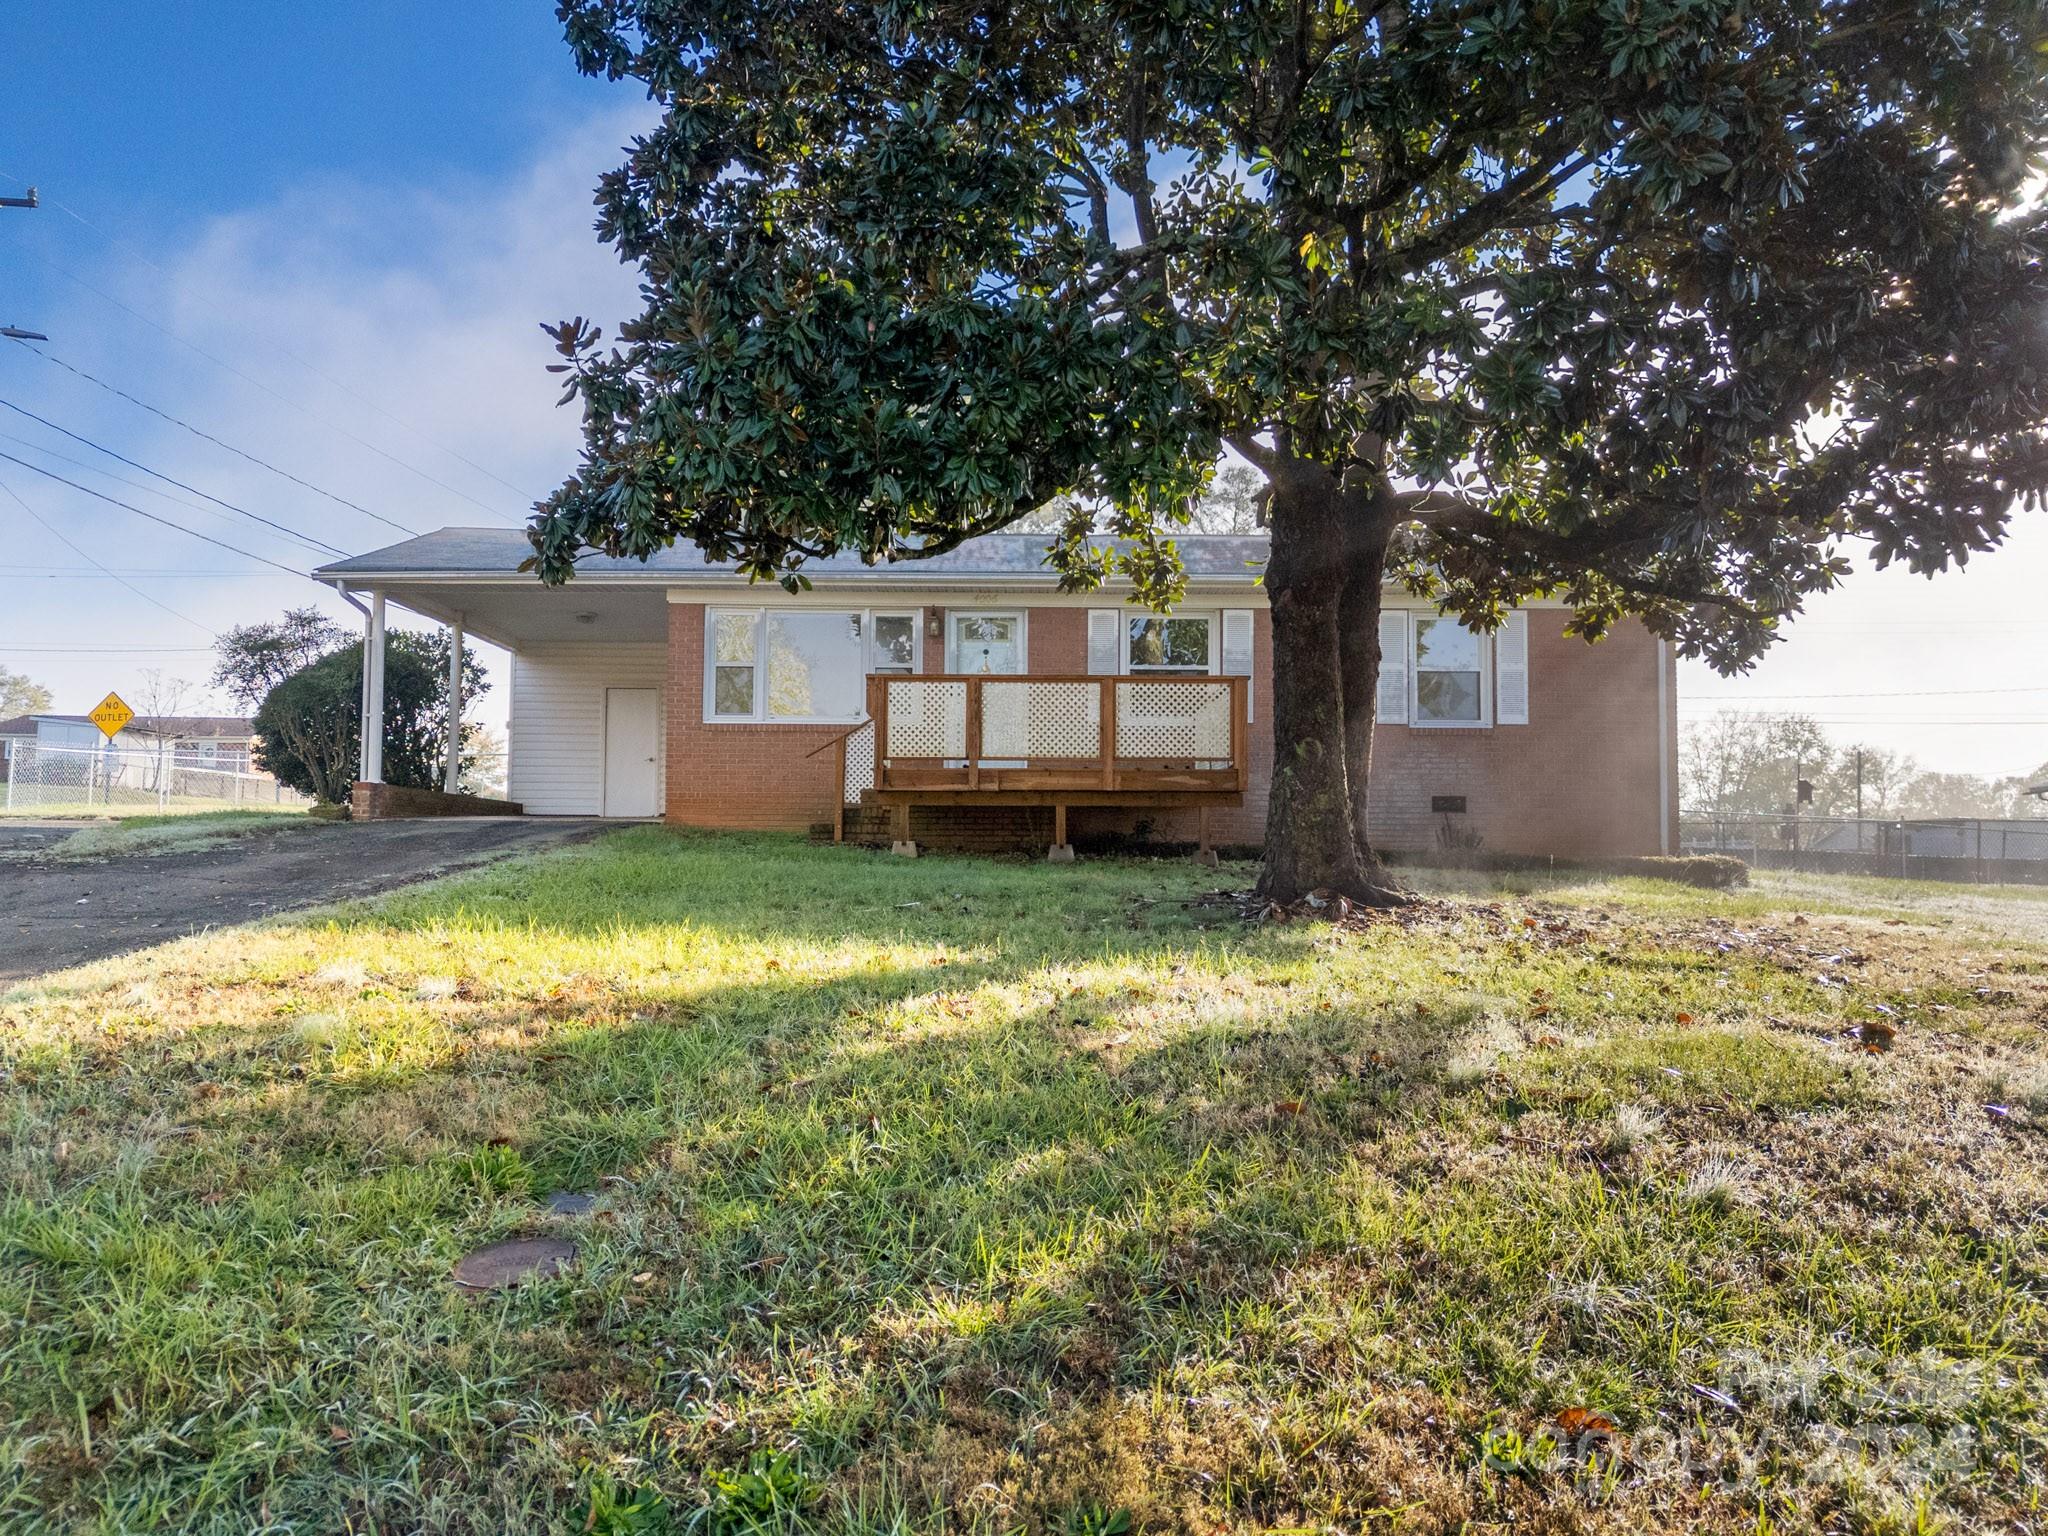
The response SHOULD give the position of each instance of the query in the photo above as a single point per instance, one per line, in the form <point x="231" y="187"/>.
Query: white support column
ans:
<point x="373" y="694"/>
<point x="454" y="766"/>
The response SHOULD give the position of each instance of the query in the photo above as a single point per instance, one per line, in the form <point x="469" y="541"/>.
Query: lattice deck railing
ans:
<point x="992" y="734"/>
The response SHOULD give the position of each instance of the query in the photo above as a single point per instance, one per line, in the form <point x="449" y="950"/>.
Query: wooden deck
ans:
<point x="1136" y="740"/>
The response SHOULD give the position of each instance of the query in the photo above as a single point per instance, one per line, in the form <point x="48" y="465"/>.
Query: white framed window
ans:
<point x="800" y="666"/>
<point x="1179" y="644"/>
<point x="893" y="642"/>
<point x="1449" y="674"/>
<point x="732" y="643"/>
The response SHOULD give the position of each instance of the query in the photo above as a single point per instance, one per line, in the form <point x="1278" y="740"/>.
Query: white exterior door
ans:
<point x="632" y="743"/>
<point x="991" y="643"/>
<point x="985" y="642"/>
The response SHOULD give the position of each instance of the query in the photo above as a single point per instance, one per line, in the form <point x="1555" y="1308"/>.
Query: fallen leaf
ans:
<point x="1685" y="1018"/>
<point x="1287" y="1107"/>
<point x="1581" y="1422"/>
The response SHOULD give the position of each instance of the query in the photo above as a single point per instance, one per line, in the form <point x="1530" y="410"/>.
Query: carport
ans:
<point x="587" y="716"/>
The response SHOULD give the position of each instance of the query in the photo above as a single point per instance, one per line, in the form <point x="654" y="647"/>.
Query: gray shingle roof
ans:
<point x="498" y="552"/>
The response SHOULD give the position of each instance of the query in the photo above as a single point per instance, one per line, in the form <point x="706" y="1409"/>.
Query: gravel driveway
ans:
<point x="54" y="915"/>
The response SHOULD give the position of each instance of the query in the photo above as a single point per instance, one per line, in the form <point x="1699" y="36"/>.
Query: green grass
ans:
<point x="170" y="834"/>
<point x="966" y="1195"/>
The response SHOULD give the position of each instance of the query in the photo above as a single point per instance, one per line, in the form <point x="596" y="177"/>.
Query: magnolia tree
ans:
<point x="1663" y="307"/>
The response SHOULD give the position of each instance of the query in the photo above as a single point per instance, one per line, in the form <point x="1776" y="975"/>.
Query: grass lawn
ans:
<point x="140" y="810"/>
<point x="175" y="833"/>
<point x="946" y="1194"/>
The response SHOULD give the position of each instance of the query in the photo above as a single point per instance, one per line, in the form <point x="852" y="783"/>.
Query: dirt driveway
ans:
<point x="54" y="915"/>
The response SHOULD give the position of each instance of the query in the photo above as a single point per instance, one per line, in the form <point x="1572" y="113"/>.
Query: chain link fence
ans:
<point x="87" y="781"/>
<point x="1980" y="850"/>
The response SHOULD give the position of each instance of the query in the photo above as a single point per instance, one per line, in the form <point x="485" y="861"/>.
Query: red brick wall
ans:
<point x="1580" y="780"/>
<point x="736" y="775"/>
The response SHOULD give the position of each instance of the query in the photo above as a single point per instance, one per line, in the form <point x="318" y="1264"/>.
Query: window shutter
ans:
<point x="1237" y="649"/>
<point x="1511" y="671"/>
<point x="1102" y="646"/>
<point x="1393" y="702"/>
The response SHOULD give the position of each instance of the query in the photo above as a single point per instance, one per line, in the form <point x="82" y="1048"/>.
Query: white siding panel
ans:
<point x="555" y="733"/>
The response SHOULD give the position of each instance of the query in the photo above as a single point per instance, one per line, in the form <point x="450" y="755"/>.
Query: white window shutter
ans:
<point x="1237" y="648"/>
<point x="1393" y="702"/>
<point x="1102" y="647"/>
<point x="1511" y="671"/>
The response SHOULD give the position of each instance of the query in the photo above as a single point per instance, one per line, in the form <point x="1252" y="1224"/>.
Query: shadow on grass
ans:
<point x="997" y="1192"/>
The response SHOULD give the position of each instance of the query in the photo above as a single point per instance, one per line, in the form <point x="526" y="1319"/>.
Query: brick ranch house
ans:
<point x="966" y="701"/>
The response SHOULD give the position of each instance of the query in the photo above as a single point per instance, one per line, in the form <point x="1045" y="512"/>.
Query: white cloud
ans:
<point x="379" y="323"/>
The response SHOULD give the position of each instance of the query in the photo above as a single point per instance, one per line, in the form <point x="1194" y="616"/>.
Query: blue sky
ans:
<point x="327" y="234"/>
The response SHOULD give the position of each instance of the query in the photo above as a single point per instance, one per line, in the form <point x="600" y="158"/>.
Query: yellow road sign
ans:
<point x="111" y="715"/>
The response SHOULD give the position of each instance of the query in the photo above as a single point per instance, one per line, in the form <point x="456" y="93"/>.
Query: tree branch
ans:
<point x="1249" y="447"/>
<point x="1445" y="511"/>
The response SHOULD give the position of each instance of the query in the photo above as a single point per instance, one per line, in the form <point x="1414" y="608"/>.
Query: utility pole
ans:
<point x="1859" y="787"/>
<point x="13" y="332"/>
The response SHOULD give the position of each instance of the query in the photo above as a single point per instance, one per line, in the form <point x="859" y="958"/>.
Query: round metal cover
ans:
<point x="571" y="1202"/>
<point x="495" y="1266"/>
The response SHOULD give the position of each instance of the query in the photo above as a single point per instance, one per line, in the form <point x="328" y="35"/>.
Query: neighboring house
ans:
<point x="220" y="742"/>
<point x="677" y="689"/>
<point x="189" y="741"/>
<point x="22" y="728"/>
<point x="225" y="742"/>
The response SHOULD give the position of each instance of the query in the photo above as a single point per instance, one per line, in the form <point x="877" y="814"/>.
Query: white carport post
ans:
<point x="454" y="766"/>
<point x="373" y="692"/>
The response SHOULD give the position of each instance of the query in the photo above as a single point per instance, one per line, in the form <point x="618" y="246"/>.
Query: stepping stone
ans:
<point x="571" y="1202"/>
<point x="498" y="1266"/>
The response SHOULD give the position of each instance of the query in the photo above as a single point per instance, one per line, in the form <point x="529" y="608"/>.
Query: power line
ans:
<point x="63" y="573"/>
<point x="1909" y="693"/>
<point x="199" y="432"/>
<point x="288" y="532"/>
<point x="119" y="479"/>
<point x="307" y="364"/>
<point x="58" y="534"/>
<point x="283" y="399"/>
<point x="102" y="650"/>
<point x="1879" y="721"/>
<point x="165" y="521"/>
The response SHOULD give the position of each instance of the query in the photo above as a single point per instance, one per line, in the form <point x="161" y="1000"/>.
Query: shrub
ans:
<point x="1711" y="871"/>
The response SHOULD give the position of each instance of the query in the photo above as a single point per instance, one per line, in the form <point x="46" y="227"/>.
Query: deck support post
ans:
<point x="899" y="822"/>
<point x="452" y="769"/>
<point x="1204" y="854"/>
<point x="1061" y="851"/>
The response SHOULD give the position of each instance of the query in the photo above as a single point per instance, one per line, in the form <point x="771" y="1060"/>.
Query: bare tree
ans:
<point x="159" y="704"/>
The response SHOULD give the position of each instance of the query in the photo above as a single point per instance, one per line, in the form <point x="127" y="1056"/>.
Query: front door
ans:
<point x="632" y="742"/>
<point x="985" y="642"/>
<point x="991" y="643"/>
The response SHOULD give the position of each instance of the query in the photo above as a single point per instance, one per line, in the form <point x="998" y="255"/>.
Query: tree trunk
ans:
<point x="1369" y="531"/>
<point x="1310" y="844"/>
